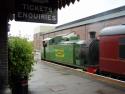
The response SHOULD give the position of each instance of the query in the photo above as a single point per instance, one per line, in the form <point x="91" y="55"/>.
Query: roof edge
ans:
<point x="122" y="8"/>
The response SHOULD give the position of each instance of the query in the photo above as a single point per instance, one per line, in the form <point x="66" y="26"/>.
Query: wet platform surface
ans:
<point x="51" y="79"/>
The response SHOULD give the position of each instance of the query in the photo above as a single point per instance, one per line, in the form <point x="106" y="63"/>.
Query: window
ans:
<point x="122" y="48"/>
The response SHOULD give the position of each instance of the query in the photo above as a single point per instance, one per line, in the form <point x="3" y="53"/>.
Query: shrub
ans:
<point x="20" y="56"/>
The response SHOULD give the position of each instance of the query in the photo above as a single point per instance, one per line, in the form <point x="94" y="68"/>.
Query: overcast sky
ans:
<point x="81" y="9"/>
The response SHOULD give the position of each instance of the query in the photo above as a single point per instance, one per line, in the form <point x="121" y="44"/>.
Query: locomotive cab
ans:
<point x="80" y="53"/>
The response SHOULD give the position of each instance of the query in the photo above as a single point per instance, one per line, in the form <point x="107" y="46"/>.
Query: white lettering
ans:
<point x="31" y="7"/>
<point x="24" y="6"/>
<point x="36" y="8"/>
<point x="34" y="16"/>
<point x="50" y="10"/>
<point x="42" y="16"/>
<point x="19" y="14"/>
<point x="25" y="15"/>
<point x="49" y="17"/>
<point x="30" y="16"/>
<point x="54" y="18"/>
<point x="41" y="9"/>
<point x="39" y="16"/>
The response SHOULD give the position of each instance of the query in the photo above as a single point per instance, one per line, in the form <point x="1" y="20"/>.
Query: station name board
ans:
<point x="32" y="12"/>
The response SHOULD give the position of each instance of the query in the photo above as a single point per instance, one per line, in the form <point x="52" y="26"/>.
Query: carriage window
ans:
<point x="122" y="48"/>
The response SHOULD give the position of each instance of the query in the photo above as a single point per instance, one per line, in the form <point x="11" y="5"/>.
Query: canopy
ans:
<point x="61" y="3"/>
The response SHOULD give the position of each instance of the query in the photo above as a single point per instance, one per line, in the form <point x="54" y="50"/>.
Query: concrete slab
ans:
<point x="52" y="79"/>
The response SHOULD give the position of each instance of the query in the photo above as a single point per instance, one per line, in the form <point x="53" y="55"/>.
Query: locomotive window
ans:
<point x="52" y="41"/>
<point x="122" y="48"/>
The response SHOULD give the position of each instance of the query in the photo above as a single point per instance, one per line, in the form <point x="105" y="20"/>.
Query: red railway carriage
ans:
<point x="112" y="50"/>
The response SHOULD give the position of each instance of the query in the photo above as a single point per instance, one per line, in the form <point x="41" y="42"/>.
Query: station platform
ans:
<point x="49" y="78"/>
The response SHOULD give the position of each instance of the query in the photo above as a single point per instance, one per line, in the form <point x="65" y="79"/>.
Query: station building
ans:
<point x="83" y="26"/>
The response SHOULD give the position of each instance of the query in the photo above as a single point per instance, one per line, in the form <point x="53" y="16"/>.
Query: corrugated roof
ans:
<point x="117" y="12"/>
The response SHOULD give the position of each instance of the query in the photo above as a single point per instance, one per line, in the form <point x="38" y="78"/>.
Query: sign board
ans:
<point x="35" y="11"/>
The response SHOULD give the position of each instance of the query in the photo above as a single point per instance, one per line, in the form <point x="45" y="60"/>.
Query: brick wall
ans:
<point x="83" y="31"/>
<point x="37" y="41"/>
